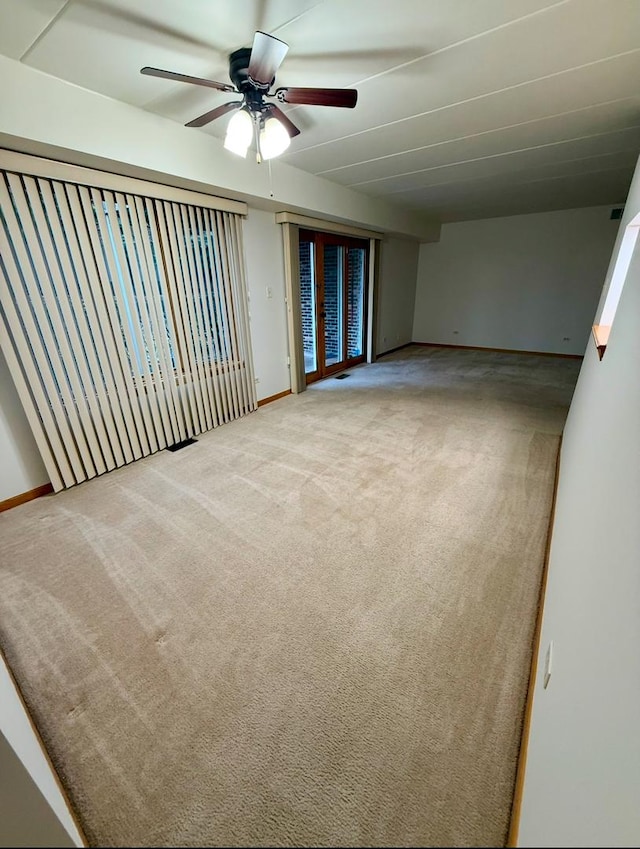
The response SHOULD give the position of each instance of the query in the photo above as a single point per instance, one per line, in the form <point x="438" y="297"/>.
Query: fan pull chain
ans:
<point x="270" y="179"/>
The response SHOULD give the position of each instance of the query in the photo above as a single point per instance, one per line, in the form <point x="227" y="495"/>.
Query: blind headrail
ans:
<point x="51" y="169"/>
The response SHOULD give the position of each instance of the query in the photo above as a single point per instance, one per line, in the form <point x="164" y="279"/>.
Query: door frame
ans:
<point x="290" y="223"/>
<point x="320" y="239"/>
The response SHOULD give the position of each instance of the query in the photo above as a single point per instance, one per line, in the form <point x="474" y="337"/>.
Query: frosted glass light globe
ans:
<point x="274" y="139"/>
<point x="239" y="133"/>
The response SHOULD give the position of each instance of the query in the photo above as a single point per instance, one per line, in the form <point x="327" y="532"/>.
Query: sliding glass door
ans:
<point x="333" y="274"/>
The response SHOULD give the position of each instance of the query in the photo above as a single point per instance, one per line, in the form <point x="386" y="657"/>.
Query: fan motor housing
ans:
<point x="239" y="70"/>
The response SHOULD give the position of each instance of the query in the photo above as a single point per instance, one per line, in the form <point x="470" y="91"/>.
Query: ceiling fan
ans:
<point x="252" y="71"/>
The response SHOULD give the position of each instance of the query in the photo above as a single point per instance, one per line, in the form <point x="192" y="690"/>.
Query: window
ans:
<point x="602" y="328"/>
<point x="124" y="320"/>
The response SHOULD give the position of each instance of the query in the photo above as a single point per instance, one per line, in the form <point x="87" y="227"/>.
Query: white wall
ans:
<point x="21" y="738"/>
<point x="21" y="467"/>
<point x="27" y="819"/>
<point x="582" y="780"/>
<point x="396" y="294"/>
<point x="524" y="282"/>
<point x="267" y="308"/>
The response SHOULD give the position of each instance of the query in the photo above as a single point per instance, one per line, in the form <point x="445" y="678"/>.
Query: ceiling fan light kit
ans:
<point x="239" y="133"/>
<point x="253" y="71"/>
<point x="273" y="139"/>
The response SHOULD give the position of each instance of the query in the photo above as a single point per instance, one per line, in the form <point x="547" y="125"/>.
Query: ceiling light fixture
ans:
<point x="252" y="71"/>
<point x="239" y="133"/>
<point x="273" y="138"/>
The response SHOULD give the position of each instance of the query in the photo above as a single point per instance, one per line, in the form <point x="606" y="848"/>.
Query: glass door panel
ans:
<point x="332" y="304"/>
<point x="308" y="306"/>
<point x="356" y="265"/>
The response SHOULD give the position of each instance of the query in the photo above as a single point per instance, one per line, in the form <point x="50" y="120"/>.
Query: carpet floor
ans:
<point x="313" y="627"/>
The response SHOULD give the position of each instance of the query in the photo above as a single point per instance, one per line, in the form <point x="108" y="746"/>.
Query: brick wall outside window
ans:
<point x="307" y="297"/>
<point x="332" y="307"/>
<point x="355" y="302"/>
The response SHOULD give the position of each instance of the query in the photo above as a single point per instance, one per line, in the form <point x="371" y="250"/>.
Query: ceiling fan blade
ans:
<point x="345" y="97"/>
<point x="267" y="54"/>
<point x="185" y="78"/>
<point x="218" y="112"/>
<point x="289" y="126"/>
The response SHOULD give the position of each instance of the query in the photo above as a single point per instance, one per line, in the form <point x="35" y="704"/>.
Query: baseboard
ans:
<point x="498" y="350"/>
<point x="45" y="489"/>
<point x="516" y="808"/>
<point x="393" y="350"/>
<point x="274" y="397"/>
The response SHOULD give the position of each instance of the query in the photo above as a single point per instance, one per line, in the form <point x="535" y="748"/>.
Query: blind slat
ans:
<point x="152" y="397"/>
<point x="187" y="399"/>
<point x="242" y="297"/>
<point x="123" y="334"/>
<point x="56" y="250"/>
<point x="198" y="321"/>
<point x="161" y="323"/>
<point x="54" y="303"/>
<point x="226" y="398"/>
<point x="228" y="330"/>
<point x="123" y="401"/>
<point x="85" y="316"/>
<point x="40" y="343"/>
<point x="111" y="389"/>
<point x="208" y="288"/>
<point x="186" y="313"/>
<point x="222" y="321"/>
<point x="123" y="285"/>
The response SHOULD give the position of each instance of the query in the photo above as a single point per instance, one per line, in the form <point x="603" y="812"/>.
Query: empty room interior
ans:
<point x="319" y="423"/>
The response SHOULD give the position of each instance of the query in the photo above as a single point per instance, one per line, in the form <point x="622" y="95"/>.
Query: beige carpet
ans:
<point x="311" y="628"/>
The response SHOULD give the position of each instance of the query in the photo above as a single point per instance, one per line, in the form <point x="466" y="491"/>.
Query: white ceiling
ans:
<point x="466" y="108"/>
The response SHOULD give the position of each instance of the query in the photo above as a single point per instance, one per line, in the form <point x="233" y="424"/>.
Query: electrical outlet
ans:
<point x="455" y="332"/>
<point x="566" y="338"/>
<point x="548" y="663"/>
<point x="269" y="292"/>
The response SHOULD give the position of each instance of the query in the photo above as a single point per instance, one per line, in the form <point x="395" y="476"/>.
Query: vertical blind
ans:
<point x="124" y="321"/>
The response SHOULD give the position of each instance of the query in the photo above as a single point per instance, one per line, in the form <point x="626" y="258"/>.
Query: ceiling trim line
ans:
<point x="500" y="129"/>
<point x="44" y="31"/>
<point x="577" y="174"/>
<point x="488" y="156"/>
<point x="463" y="41"/>
<point x="473" y="99"/>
